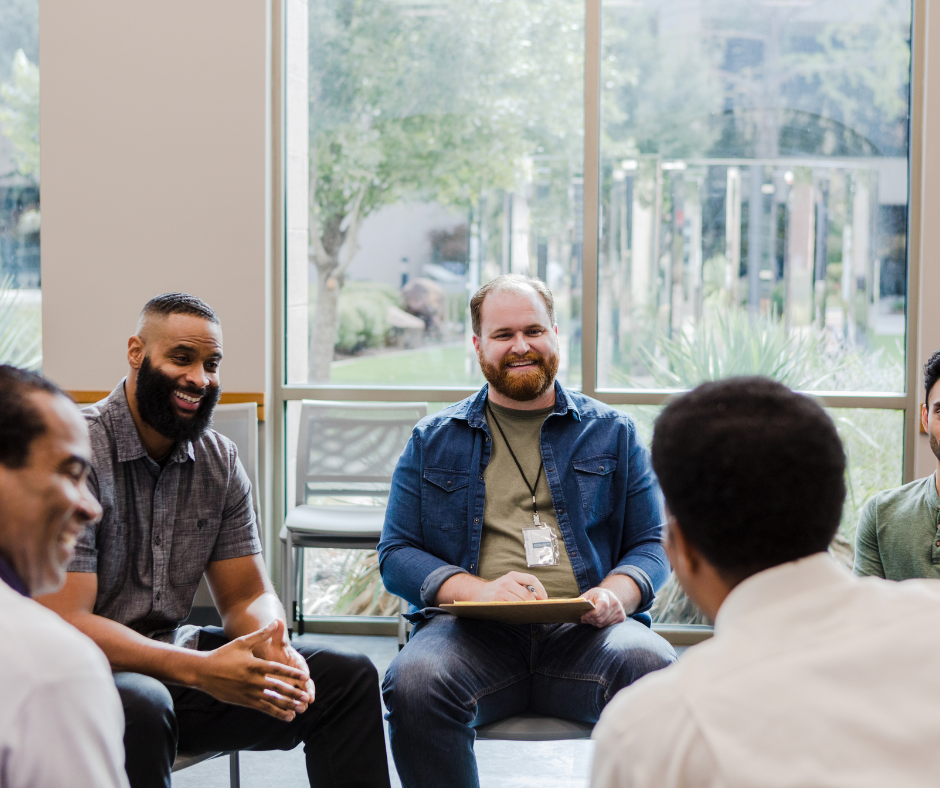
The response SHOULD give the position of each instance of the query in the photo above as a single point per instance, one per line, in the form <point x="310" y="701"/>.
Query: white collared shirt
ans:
<point x="61" y="723"/>
<point x="814" y="678"/>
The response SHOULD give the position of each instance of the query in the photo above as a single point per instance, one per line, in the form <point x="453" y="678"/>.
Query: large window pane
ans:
<point x="874" y="447"/>
<point x="445" y="148"/>
<point x="754" y="193"/>
<point x="20" y="300"/>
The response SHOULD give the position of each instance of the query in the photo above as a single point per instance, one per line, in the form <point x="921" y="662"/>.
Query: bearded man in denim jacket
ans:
<point x="461" y="501"/>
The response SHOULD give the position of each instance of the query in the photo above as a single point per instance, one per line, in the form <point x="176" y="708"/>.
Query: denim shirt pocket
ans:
<point x="595" y="482"/>
<point x="444" y="499"/>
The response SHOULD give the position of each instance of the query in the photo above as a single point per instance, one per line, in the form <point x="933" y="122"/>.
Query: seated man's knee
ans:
<point x="413" y="678"/>
<point x="345" y="668"/>
<point x="148" y="705"/>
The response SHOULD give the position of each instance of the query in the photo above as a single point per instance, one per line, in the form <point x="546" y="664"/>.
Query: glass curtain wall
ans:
<point x="754" y="202"/>
<point x="445" y="148"/>
<point x="20" y="279"/>
<point x="752" y="216"/>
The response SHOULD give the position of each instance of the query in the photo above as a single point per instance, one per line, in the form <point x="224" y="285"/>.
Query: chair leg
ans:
<point x="402" y="624"/>
<point x="299" y="563"/>
<point x="234" y="775"/>
<point x="287" y="581"/>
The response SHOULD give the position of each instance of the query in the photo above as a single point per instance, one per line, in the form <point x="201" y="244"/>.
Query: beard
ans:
<point x="935" y="446"/>
<point x="155" y="404"/>
<point x="523" y="387"/>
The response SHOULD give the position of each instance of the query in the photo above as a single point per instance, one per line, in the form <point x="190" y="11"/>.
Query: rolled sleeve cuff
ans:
<point x="83" y="563"/>
<point x="638" y="576"/>
<point x="433" y="582"/>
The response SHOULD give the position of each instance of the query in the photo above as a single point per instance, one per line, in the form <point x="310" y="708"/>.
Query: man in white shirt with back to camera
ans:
<point x="61" y="722"/>
<point x="814" y="677"/>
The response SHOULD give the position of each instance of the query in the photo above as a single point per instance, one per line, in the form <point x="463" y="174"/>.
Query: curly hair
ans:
<point x="931" y="374"/>
<point x="753" y="473"/>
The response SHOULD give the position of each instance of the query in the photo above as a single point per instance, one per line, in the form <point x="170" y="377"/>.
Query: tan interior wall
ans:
<point x="154" y="173"/>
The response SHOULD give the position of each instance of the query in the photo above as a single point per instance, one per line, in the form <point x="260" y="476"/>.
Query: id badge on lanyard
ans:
<point x="541" y="545"/>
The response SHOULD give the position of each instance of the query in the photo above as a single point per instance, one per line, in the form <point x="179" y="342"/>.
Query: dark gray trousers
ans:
<point x="342" y="732"/>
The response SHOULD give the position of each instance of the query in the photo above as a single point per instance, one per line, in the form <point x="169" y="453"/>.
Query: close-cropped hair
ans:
<point x="168" y="304"/>
<point x="513" y="283"/>
<point x="20" y="421"/>
<point x="753" y="473"/>
<point x="931" y="374"/>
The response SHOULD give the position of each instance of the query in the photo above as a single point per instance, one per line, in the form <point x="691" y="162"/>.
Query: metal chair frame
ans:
<point x="184" y="761"/>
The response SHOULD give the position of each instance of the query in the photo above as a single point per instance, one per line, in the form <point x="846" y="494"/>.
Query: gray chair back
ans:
<point x="350" y="449"/>
<point x="239" y="423"/>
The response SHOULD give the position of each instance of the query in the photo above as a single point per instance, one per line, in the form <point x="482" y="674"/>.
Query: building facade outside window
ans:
<point x="709" y="189"/>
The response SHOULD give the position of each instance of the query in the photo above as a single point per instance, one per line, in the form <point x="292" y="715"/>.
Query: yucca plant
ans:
<point x="731" y="343"/>
<point x="20" y="329"/>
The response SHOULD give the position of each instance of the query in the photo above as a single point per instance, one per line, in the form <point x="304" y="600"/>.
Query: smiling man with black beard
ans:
<point x="176" y="505"/>
<point x="524" y="491"/>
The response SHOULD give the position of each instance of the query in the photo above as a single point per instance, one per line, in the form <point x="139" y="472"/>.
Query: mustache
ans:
<point x="532" y="355"/>
<point x="194" y="390"/>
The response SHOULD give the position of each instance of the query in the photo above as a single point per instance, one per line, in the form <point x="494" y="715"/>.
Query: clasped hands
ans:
<point x="514" y="587"/>
<point x="261" y="671"/>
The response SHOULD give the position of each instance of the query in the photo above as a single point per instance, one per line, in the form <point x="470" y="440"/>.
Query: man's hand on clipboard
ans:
<point x="614" y="599"/>
<point x="511" y="587"/>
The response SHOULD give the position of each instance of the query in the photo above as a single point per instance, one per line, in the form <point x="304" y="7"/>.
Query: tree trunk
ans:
<point x="325" y="321"/>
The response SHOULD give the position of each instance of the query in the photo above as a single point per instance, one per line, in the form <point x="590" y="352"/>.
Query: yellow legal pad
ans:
<point x="535" y="611"/>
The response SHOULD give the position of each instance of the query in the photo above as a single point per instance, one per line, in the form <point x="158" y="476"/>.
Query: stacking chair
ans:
<point x="238" y="423"/>
<point x="346" y="453"/>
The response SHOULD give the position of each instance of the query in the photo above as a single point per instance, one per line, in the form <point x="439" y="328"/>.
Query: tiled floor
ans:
<point x="502" y="764"/>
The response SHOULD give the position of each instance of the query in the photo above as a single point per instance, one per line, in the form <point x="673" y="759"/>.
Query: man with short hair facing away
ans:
<point x="898" y="534"/>
<point x="814" y="677"/>
<point x="524" y="491"/>
<point x="177" y="505"/>
<point x="60" y="716"/>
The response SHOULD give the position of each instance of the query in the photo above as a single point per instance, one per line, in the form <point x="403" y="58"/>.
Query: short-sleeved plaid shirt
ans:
<point x="161" y="527"/>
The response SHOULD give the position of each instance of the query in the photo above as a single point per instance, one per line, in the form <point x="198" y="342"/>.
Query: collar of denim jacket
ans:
<point x="473" y="409"/>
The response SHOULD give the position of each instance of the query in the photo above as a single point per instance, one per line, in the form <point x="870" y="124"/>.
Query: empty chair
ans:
<point x="346" y="453"/>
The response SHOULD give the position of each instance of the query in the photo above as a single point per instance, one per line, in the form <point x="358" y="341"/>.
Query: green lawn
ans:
<point x="428" y="366"/>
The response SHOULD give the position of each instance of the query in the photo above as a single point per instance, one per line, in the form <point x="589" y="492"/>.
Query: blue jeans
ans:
<point x="455" y="674"/>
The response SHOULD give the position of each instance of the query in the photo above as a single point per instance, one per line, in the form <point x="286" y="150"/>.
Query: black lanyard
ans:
<point x="532" y="488"/>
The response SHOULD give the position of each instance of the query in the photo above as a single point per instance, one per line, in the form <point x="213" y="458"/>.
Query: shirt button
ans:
<point x="157" y="540"/>
<point x="601" y="468"/>
<point x="481" y="478"/>
<point x="550" y="470"/>
<point x="477" y="519"/>
<point x="159" y="594"/>
<point x="449" y="482"/>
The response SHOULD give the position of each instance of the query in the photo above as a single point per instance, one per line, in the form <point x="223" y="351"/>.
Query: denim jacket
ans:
<point x="607" y="501"/>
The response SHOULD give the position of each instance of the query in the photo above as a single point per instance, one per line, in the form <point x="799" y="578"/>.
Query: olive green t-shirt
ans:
<point x="508" y="506"/>
<point x="898" y="534"/>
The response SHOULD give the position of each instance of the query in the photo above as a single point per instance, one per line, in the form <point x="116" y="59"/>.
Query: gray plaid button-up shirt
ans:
<point x="161" y="527"/>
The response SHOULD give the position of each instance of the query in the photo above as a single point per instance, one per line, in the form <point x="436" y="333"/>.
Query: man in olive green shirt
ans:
<point x="502" y="549"/>
<point x="898" y="534"/>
